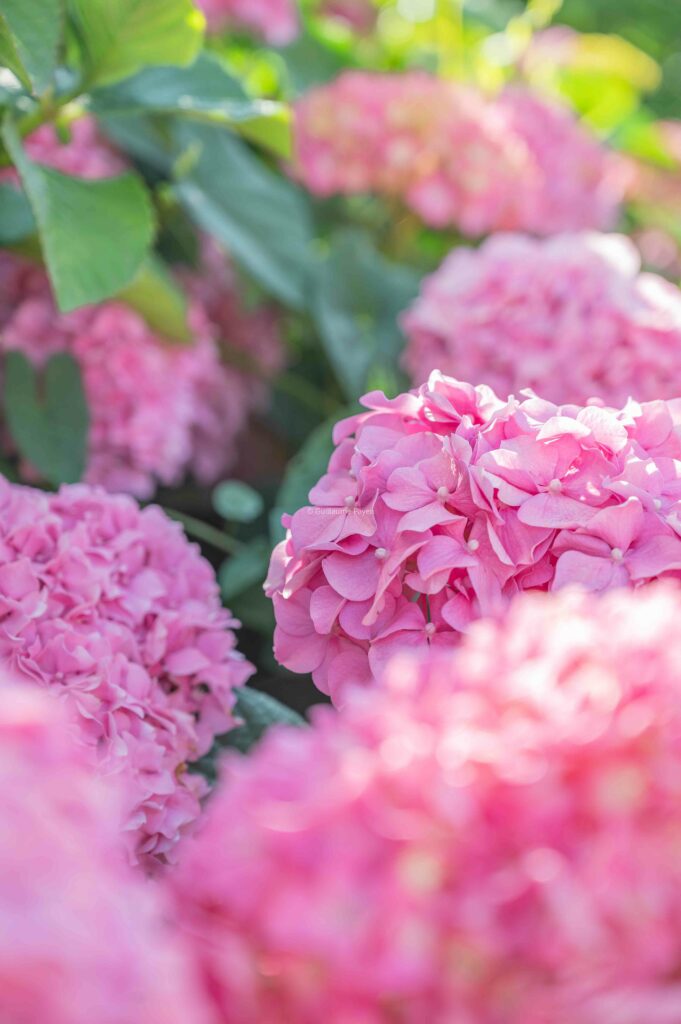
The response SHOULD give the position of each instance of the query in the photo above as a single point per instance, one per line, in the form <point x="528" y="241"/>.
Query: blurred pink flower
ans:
<point x="82" y="940"/>
<point x="571" y="317"/>
<point x="456" y="157"/>
<point x="158" y="408"/>
<point x="85" y="153"/>
<point x="111" y="610"/>
<point x="488" y="838"/>
<point x="276" y="21"/>
<point x="359" y="15"/>
<point x="440" y="505"/>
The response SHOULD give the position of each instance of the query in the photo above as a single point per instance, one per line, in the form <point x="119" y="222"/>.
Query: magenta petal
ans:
<point x="659" y="554"/>
<point x="353" y="576"/>
<point x="426" y="517"/>
<point x="555" y="511"/>
<point x="403" y="641"/>
<point x="440" y="553"/>
<point x="325" y="606"/>
<point x="576" y="569"/>
<point x="299" y="656"/>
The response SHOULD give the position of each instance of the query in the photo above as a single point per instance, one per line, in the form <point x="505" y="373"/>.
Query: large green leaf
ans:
<point x="259" y="216"/>
<point x="160" y="300"/>
<point x="119" y="37"/>
<point x="94" y="234"/>
<point x="16" y="217"/>
<point x="30" y="33"/>
<point x="358" y="299"/>
<point x="206" y="91"/>
<point x="259" y="712"/>
<point x="48" y="419"/>
<point x="310" y="62"/>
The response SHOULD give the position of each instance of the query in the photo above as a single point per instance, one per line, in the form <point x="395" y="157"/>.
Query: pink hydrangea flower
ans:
<point x="85" y="154"/>
<point x="276" y="21"/>
<point x="108" y="607"/>
<point x="489" y="838"/>
<point x="440" y="505"/>
<point x="359" y="15"/>
<point x="82" y="939"/>
<point x="158" y="409"/>
<point x="571" y="317"/>
<point x="454" y="156"/>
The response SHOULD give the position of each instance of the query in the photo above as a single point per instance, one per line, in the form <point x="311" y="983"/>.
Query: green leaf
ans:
<point x="206" y="92"/>
<point x="48" y="419"/>
<point x="233" y="499"/>
<point x="259" y="712"/>
<point x="9" y="56"/>
<point x="16" y="218"/>
<point x="262" y="219"/>
<point x="119" y="37"/>
<point x="359" y="296"/>
<point x="244" y="569"/>
<point x="159" y="299"/>
<point x="30" y="33"/>
<point x="310" y="62"/>
<point x="94" y="234"/>
<point x="302" y="473"/>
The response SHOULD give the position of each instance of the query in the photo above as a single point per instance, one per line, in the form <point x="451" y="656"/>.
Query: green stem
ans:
<point x="205" y="532"/>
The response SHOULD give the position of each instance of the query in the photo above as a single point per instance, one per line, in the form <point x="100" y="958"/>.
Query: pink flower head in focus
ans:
<point x="440" y="505"/>
<point x="158" y="408"/>
<point x="110" y="609"/>
<point x="490" y="838"/>
<point x="275" y="21"/>
<point x="82" y="938"/>
<point x="571" y="317"/>
<point x="454" y="156"/>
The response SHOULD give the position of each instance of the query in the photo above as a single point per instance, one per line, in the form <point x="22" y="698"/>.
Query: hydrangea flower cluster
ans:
<point x="84" y="154"/>
<point x="275" y="21"/>
<point x="489" y="838"/>
<point x="157" y="408"/>
<point x="111" y="609"/>
<point x="571" y="317"/>
<point x="454" y="156"/>
<point x="440" y="505"/>
<point x="81" y="938"/>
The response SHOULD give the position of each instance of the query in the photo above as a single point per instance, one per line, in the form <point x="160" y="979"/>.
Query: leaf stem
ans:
<point x="205" y="532"/>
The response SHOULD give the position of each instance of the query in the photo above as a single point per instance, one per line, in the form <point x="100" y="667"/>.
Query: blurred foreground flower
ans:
<point x="111" y="609"/>
<point x="82" y="940"/>
<point x="456" y="157"/>
<point x="276" y="21"/>
<point x="571" y="317"/>
<point x="440" y="505"/>
<point x="491" y="838"/>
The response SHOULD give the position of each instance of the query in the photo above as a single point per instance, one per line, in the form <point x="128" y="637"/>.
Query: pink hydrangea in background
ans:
<point x="569" y="316"/>
<point x="456" y="157"/>
<point x="440" y="505"/>
<point x="83" y="154"/>
<point x="108" y="607"/>
<point x="82" y="940"/>
<point x="158" y="409"/>
<point x="276" y="21"/>
<point x="491" y="838"/>
<point x="359" y="15"/>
